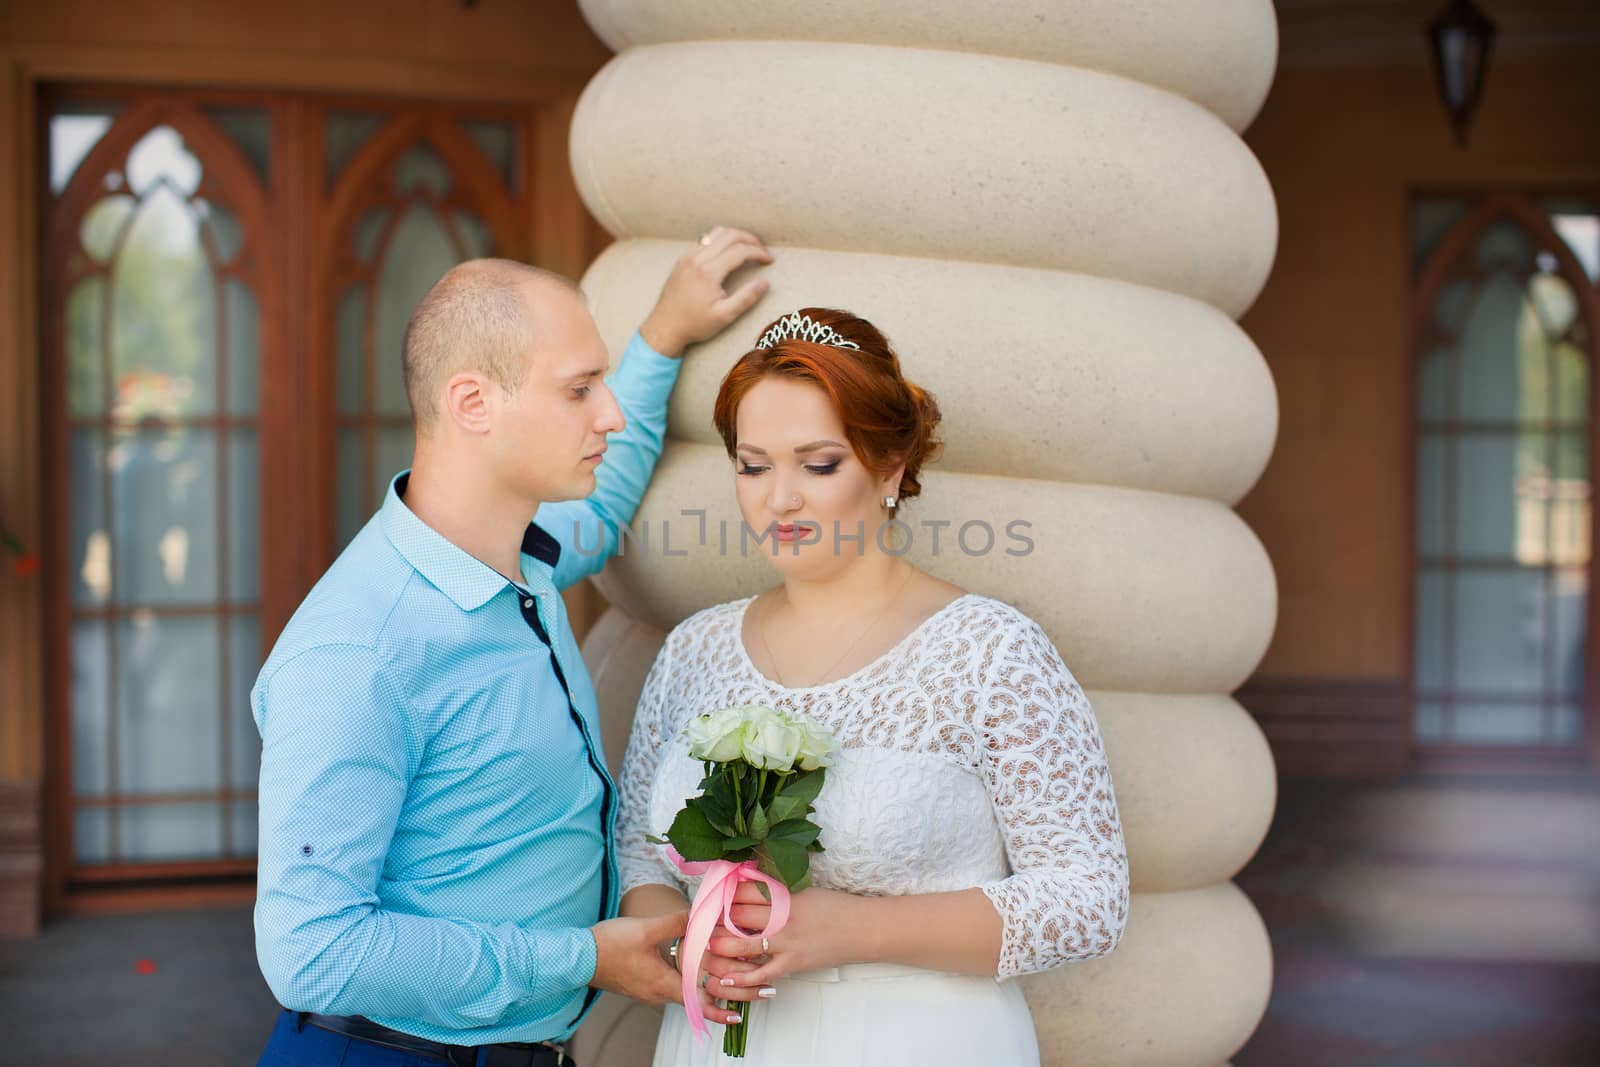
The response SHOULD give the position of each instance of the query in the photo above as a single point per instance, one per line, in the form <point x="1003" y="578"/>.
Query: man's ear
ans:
<point x="468" y="401"/>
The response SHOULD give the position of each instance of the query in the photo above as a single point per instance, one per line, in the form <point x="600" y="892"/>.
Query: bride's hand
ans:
<point x="825" y="928"/>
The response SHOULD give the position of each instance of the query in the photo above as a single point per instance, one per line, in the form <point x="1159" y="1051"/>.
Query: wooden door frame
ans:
<point x="559" y="236"/>
<point x="1491" y="205"/>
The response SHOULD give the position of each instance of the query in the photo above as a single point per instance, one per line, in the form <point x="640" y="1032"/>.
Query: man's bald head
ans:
<point x="483" y="315"/>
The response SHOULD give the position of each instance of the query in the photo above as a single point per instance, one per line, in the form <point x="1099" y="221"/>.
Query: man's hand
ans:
<point x="628" y="961"/>
<point x="693" y="305"/>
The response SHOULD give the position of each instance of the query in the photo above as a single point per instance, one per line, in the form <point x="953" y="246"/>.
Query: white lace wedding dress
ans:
<point x="970" y="758"/>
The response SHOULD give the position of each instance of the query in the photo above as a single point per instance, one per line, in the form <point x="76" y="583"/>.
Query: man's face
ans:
<point x="548" y="436"/>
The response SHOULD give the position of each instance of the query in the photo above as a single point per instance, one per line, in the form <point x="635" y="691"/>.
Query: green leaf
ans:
<point x="734" y="844"/>
<point x="815" y="846"/>
<point x="787" y="807"/>
<point x="718" y="811"/>
<point x="758" y="824"/>
<point x="694" y="837"/>
<point x="799" y="831"/>
<point x="805" y="785"/>
<point x="791" y="860"/>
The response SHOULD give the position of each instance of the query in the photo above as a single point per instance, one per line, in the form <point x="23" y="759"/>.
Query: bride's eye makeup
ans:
<point x="748" y="469"/>
<point x="823" y="468"/>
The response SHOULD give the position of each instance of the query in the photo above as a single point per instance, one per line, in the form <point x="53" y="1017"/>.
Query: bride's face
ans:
<point x="798" y="477"/>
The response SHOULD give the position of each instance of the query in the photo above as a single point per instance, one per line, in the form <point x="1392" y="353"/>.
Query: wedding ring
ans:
<point x="672" y="954"/>
<point x="765" y="948"/>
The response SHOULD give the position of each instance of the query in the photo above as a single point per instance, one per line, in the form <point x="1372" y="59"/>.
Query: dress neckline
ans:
<point x="750" y="664"/>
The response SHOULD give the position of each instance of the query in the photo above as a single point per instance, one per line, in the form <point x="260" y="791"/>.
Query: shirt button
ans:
<point x="527" y="603"/>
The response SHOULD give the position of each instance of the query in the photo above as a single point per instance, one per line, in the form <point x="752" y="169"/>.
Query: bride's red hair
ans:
<point x="887" y="419"/>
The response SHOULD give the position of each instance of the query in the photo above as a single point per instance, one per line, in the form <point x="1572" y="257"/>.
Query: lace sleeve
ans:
<point x="639" y="861"/>
<point x="1045" y="768"/>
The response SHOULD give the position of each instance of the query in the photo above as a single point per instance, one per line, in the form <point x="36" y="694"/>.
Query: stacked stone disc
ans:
<point x="1049" y="210"/>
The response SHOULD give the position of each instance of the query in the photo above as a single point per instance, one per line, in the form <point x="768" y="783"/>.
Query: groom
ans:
<point x="436" y="875"/>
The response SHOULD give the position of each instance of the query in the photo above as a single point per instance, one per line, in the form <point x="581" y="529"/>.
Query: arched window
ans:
<point x="1503" y="336"/>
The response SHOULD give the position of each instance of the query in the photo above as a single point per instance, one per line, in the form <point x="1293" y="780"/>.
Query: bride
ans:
<point x="969" y="821"/>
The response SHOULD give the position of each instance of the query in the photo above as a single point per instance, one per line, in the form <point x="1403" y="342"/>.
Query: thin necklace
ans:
<point x="761" y="632"/>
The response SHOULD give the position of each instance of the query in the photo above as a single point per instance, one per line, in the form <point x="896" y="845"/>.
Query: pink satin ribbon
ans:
<point x="715" y="900"/>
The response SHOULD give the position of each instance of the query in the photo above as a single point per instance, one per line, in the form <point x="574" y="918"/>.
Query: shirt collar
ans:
<point x="464" y="578"/>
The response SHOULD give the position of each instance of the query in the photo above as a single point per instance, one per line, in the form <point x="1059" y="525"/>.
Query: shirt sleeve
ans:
<point x="587" y="529"/>
<point x="641" y="862"/>
<point x="337" y="758"/>
<point x="1045" y="768"/>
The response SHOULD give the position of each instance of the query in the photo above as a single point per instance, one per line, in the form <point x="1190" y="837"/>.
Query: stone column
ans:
<point x="1048" y="209"/>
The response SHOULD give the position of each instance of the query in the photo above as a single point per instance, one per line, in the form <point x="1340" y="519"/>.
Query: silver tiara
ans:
<point x="798" y="327"/>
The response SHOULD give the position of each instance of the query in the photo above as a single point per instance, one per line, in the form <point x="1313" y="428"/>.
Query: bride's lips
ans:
<point x="790" y="531"/>
<point x="595" y="457"/>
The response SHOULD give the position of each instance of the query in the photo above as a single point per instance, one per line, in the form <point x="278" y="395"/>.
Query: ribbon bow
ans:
<point x="715" y="897"/>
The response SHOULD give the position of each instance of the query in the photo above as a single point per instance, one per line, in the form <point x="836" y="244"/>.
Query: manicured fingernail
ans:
<point x="767" y="991"/>
<point x="733" y="1018"/>
<point x="727" y="981"/>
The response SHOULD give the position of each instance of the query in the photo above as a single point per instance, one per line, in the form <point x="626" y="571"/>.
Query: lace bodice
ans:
<point x="970" y="758"/>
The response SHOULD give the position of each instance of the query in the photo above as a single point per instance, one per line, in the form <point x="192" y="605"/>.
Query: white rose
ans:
<point x="816" y="745"/>
<point x="718" y="737"/>
<point x="771" y="740"/>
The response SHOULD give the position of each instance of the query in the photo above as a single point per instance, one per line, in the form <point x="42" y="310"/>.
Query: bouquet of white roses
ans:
<point x="749" y="823"/>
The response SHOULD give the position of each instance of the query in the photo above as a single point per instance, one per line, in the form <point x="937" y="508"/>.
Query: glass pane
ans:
<point x="395" y="446"/>
<point x="421" y="168"/>
<point x="164" y="499"/>
<point x="244" y="516"/>
<point x="1498" y="724"/>
<point x="1504" y="246"/>
<point x="1450" y="307"/>
<point x="169" y="734"/>
<point x="1572" y="382"/>
<point x="369" y="232"/>
<point x="169" y="832"/>
<point x="85" y="333"/>
<point x="351" y="506"/>
<point x="347" y="131"/>
<point x="103" y="226"/>
<point x="351" y="328"/>
<point x="1498" y="630"/>
<point x="244" y="660"/>
<point x="1429" y="670"/>
<point x="1566" y="724"/>
<point x="161" y="156"/>
<point x="474" y="234"/>
<point x="163" y="315"/>
<point x="498" y="141"/>
<point x="1491" y="377"/>
<point x="243" y="815"/>
<point x="223" y="229"/>
<point x="91" y="708"/>
<point x="90" y="551"/>
<point x="1431" y="219"/>
<point x="91" y="835"/>
<point x="1581" y="231"/>
<point x="1430" y="724"/>
<point x="1569" y="591"/>
<point x="72" y="137"/>
<point x="418" y="254"/>
<point x="1500" y="483"/>
<point x="1553" y="303"/>
<point x="1433" y="453"/>
<point x="250" y="130"/>
<point x="1570" y="514"/>
<point x="244" y="348"/>
<point x="1433" y="384"/>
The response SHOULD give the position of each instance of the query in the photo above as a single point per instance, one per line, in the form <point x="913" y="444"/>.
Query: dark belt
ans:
<point x="507" y="1054"/>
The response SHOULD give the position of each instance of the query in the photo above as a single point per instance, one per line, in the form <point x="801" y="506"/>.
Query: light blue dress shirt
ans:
<point x="436" y="818"/>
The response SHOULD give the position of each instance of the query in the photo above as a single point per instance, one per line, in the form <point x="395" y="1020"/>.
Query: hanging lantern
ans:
<point x="1460" y="39"/>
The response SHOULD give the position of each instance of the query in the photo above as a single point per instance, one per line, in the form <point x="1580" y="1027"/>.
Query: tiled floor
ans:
<point x="78" y="995"/>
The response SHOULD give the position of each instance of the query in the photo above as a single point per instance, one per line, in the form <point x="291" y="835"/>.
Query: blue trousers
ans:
<point x="309" y="1046"/>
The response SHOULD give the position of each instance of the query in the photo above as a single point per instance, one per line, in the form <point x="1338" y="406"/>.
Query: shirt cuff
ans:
<point x="563" y="959"/>
<point x="644" y="371"/>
